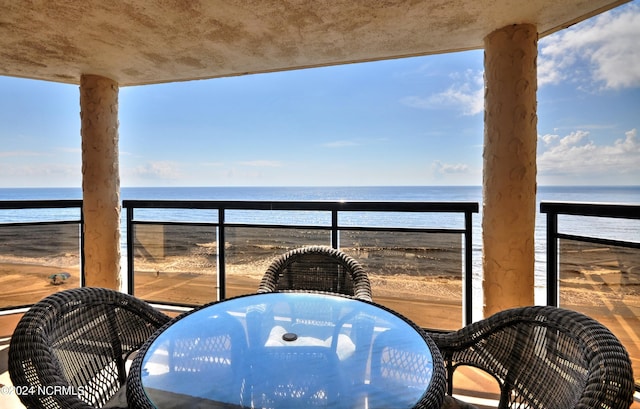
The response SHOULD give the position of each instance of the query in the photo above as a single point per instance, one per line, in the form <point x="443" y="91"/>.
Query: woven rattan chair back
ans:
<point x="544" y="358"/>
<point x="209" y="356"/>
<point x="69" y="350"/>
<point x="398" y="369"/>
<point x="317" y="268"/>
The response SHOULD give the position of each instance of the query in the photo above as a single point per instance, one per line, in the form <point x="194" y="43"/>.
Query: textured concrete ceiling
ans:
<point x="151" y="41"/>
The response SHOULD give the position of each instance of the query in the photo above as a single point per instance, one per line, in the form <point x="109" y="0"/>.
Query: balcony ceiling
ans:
<point x="138" y="42"/>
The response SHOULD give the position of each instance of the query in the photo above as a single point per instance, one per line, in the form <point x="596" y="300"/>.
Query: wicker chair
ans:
<point x="543" y="358"/>
<point x="317" y="268"/>
<point x="70" y="349"/>
<point x="399" y="370"/>
<point x="202" y="357"/>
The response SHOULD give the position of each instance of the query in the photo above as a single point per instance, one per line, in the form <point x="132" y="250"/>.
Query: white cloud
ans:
<point x="576" y="157"/>
<point x="449" y="168"/>
<point x="465" y="94"/>
<point x="548" y="139"/>
<point x="158" y="170"/>
<point x="573" y="138"/>
<point x="603" y="50"/>
<point x="607" y="44"/>
<point x="40" y="175"/>
<point x="42" y="170"/>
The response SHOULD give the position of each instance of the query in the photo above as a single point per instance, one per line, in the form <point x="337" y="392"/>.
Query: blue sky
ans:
<point x="416" y="121"/>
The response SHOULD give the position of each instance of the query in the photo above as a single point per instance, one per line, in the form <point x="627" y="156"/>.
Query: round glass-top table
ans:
<point x="288" y="350"/>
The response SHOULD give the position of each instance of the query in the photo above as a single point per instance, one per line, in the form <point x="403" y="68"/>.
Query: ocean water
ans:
<point x="627" y="230"/>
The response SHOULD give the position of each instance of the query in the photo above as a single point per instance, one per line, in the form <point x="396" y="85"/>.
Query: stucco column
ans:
<point x="100" y="181"/>
<point x="509" y="173"/>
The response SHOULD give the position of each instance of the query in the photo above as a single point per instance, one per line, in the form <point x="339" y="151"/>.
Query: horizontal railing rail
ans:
<point x="39" y="204"/>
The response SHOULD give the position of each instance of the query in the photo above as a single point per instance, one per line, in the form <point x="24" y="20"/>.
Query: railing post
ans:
<point x="334" y="229"/>
<point x="130" y="257"/>
<point x="81" y="246"/>
<point x="552" y="258"/>
<point x="468" y="269"/>
<point x="221" y="293"/>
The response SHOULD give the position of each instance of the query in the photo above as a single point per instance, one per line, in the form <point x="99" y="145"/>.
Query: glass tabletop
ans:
<point x="279" y="350"/>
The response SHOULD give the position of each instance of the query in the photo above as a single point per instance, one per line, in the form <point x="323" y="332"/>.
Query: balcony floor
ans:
<point x="7" y="400"/>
